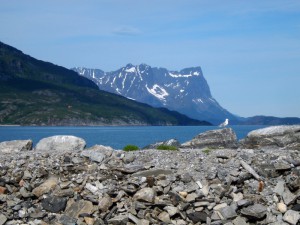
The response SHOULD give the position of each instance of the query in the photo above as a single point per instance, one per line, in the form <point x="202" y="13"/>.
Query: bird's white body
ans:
<point x="225" y="123"/>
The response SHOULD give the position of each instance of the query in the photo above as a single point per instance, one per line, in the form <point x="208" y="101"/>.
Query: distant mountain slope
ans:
<point x="33" y="92"/>
<point x="270" y="120"/>
<point x="185" y="91"/>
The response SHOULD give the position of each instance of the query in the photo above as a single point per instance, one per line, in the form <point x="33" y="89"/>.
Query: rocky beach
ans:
<point x="212" y="179"/>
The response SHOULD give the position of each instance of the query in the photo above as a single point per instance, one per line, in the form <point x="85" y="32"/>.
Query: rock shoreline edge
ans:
<point x="228" y="184"/>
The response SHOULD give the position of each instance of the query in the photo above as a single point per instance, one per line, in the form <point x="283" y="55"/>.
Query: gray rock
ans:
<point x="279" y="188"/>
<point x="171" y="142"/>
<point x="105" y="203"/>
<point x="288" y="196"/>
<point x="3" y="219"/>
<point x="25" y="193"/>
<point x="164" y="217"/>
<point x="96" y="156"/>
<point x="153" y="172"/>
<point x="61" y="143"/>
<point x="171" y="210"/>
<point x="67" y="220"/>
<point x="228" y="212"/>
<point x="145" y="194"/>
<point x="74" y="209"/>
<point x="292" y="217"/>
<point x="239" y="221"/>
<point x="256" y="211"/>
<point x="54" y="204"/>
<point x="222" y="138"/>
<point x="15" y="146"/>
<point x="128" y="158"/>
<point x="119" y="220"/>
<point x="197" y="217"/>
<point x="45" y="187"/>
<point x="287" y="137"/>
<point x="282" y="166"/>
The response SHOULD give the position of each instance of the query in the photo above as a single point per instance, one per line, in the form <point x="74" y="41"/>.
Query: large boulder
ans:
<point x="61" y="143"/>
<point x="98" y="153"/>
<point x="284" y="137"/>
<point x="222" y="138"/>
<point x="15" y="146"/>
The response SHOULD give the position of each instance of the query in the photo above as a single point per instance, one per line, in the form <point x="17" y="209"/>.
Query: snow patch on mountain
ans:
<point x="130" y="70"/>
<point x="158" y="92"/>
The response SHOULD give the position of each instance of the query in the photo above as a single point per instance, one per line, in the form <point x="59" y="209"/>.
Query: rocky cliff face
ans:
<point x="185" y="91"/>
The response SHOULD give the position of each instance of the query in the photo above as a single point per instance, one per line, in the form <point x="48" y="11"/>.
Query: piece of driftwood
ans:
<point x="250" y="170"/>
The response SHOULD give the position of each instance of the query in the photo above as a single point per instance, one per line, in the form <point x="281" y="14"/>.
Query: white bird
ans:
<point x="225" y="123"/>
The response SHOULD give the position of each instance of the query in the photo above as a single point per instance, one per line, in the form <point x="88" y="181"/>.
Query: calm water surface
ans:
<point x="116" y="137"/>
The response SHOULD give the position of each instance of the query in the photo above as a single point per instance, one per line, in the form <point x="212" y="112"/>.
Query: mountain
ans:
<point x="34" y="92"/>
<point x="270" y="120"/>
<point x="185" y="91"/>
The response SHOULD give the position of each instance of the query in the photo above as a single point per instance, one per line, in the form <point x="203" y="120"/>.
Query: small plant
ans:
<point x="207" y="150"/>
<point x="166" y="147"/>
<point x="129" y="148"/>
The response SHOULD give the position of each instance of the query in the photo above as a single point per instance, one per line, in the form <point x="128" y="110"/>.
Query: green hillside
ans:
<point x="33" y="92"/>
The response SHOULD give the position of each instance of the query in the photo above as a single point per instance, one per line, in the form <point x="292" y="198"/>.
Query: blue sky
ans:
<point x="249" y="51"/>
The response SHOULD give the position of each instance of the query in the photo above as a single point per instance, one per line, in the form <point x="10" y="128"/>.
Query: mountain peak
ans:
<point x="185" y="91"/>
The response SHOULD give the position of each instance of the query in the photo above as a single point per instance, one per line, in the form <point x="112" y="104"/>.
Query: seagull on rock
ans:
<point x="224" y="124"/>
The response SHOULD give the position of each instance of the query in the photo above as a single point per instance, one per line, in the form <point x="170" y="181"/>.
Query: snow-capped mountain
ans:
<point x="185" y="91"/>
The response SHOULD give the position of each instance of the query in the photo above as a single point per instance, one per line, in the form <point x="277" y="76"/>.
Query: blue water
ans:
<point x="116" y="137"/>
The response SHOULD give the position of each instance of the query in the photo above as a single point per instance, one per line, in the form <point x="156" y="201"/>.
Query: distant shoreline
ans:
<point x="7" y="125"/>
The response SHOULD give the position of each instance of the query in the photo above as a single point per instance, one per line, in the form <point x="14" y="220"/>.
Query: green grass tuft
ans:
<point x="129" y="148"/>
<point x="166" y="147"/>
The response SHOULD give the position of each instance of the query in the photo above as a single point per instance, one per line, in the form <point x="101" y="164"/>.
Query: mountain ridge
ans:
<point x="34" y="92"/>
<point x="185" y="91"/>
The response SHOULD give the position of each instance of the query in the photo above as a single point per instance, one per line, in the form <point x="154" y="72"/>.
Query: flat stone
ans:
<point x="292" y="217"/>
<point x="67" y="220"/>
<point x="45" y="187"/>
<point x="3" y="219"/>
<point x="105" y="203"/>
<point x="171" y="210"/>
<point x="279" y="188"/>
<point x="240" y="221"/>
<point x="256" y="211"/>
<point x="282" y="166"/>
<point x="89" y="220"/>
<point x="197" y="217"/>
<point x="203" y="203"/>
<point x="191" y="197"/>
<point x="92" y="188"/>
<point x="145" y="194"/>
<point x="97" y="153"/>
<point x="186" y="178"/>
<point x="237" y="197"/>
<point x="228" y="212"/>
<point x="54" y="204"/>
<point x="152" y="172"/>
<point x="61" y="143"/>
<point x="220" y="206"/>
<point x="288" y="196"/>
<point x="25" y="193"/>
<point x="74" y="209"/>
<point x="15" y="146"/>
<point x="118" y="220"/>
<point x="164" y="217"/>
